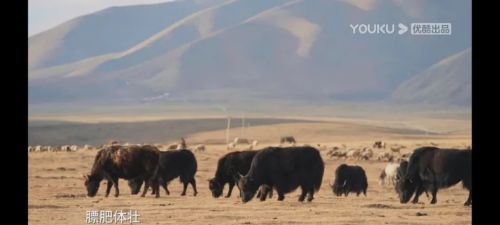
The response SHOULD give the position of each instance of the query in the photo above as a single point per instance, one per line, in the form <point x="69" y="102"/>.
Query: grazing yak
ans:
<point x="432" y="168"/>
<point x="349" y="179"/>
<point x="114" y="162"/>
<point x="287" y="139"/>
<point x="283" y="169"/>
<point x="172" y="164"/>
<point x="400" y="173"/>
<point x="228" y="167"/>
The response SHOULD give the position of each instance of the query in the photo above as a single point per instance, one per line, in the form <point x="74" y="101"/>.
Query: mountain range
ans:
<point x="275" y="49"/>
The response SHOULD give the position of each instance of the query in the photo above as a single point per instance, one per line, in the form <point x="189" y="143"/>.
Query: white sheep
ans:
<point x="199" y="148"/>
<point x="389" y="174"/>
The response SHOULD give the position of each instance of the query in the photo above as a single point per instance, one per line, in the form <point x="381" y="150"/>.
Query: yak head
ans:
<point x="135" y="185"/>
<point x="92" y="184"/>
<point x="405" y="187"/>
<point x="215" y="187"/>
<point x="339" y="187"/>
<point x="248" y="187"/>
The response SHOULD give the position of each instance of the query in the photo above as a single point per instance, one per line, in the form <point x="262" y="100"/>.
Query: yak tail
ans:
<point x="155" y="173"/>
<point x="319" y="178"/>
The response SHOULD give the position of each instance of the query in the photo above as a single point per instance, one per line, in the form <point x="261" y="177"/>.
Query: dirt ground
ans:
<point x="57" y="194"/>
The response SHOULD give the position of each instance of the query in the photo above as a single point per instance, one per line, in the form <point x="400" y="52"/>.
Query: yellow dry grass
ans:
<point x="57" y="195"/>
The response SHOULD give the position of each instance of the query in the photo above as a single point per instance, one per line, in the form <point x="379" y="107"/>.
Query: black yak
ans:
<point x="349" y="179"/>
<point x="431" y="168"/>
<point x="283" y="169"/>
<point x="227" y="170"/>
<point x="126" y="162"/>
<point x="173" y="164"/>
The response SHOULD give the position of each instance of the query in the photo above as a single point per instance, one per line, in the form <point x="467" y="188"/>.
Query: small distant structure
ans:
<point x="183" y="143"/>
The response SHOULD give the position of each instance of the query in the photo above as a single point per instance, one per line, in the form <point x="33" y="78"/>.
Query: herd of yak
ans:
<point x="279" y="169"/>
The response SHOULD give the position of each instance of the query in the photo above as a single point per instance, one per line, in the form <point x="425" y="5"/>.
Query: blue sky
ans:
<point x="45" y="14"/>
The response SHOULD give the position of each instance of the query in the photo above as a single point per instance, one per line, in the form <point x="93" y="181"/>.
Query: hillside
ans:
<point x="448" y="81"/>
<point x="212" y="50"/>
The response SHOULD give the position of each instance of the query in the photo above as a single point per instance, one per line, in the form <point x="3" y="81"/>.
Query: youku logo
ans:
<point x="416" y="28"/>
<point x="378" y="28"/>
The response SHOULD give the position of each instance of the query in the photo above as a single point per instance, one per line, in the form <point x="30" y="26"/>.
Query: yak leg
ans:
<point x="117" y="191"/>
<point x="184" y="188"/>
<point x="427" y="194"/>
<point x="433" y="187"/>
<point x="310" y="197"/>
<point x="434" y="194"/>
<point x="231" y="186"/>
<point x="156" y="187"/>
<point x="259" y="194"/>
<point x="109" y="184"/>
<point x="193" y="184"/>
<point x="164" y="185"/>
<point x="420" y="190"/>
<point x="146" y="188"/>
<point x="281" y="195"/>
<point x="153" y="190"/>
<point x="262" y="194"/>
<point x="303" y="194"/>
